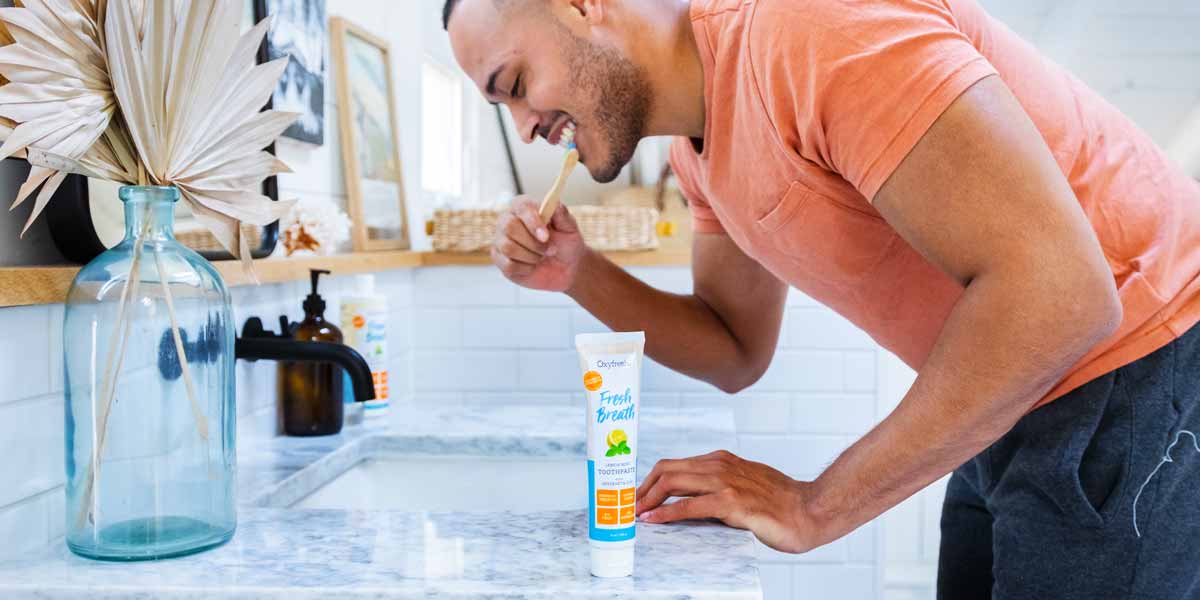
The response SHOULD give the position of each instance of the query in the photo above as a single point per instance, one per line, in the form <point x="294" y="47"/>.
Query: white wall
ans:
<point x="31" y="430"/>
<point x="1142" y="56"/>
<point x="1185" y="146"/>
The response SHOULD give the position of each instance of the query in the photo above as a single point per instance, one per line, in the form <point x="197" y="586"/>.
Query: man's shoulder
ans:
<point x="701" y="9"/>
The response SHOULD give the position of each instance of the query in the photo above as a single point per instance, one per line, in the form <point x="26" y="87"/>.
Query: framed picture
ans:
<point x="370" y="140"/>
<point x="298" y="32"/>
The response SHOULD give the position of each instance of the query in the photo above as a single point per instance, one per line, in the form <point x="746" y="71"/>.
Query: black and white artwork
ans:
<point x="299" y="32"/>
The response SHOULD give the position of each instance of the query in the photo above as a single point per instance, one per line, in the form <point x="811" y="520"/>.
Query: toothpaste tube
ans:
<point x="612" y="376"/>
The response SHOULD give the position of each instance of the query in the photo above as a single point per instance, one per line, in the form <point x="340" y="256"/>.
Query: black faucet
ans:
<point x="258" y="343"/>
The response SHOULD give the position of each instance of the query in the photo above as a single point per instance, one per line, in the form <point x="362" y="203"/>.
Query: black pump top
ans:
<point x="314" y="304"/>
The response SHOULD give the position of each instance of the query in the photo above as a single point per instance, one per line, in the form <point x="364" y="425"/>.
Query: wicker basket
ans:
<point x="617" y="227"/>
<point x="463" y="230"/>
<point x="201" y="240"/>
<point x="606" y="228"/>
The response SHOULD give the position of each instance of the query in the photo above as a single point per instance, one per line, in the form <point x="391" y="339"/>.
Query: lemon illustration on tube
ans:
<point x="616" y="436"/>
<point x="618" y="443"/>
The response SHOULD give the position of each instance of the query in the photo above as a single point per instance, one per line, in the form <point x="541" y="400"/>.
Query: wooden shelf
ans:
<point x="26" y="286"/>
<point x="279" y="270"/>
<point x="648" y="258"/>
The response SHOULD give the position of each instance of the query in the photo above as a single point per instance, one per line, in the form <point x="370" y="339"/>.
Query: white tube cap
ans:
<point x="612" y="562"/>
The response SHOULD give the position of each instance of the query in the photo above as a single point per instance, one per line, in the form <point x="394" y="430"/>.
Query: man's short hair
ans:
<point x="446" y="10"/>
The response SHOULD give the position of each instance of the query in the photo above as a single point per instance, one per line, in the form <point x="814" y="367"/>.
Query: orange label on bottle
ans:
<point x="627" y="496"/>
<point x="592" y="381"/>
<point x="606" y="516"/>
<point x="606" y="497"/>
<point x="626" y="515"/>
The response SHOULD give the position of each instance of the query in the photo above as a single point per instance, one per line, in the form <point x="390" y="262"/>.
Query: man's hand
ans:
<point x="740" y="493"/>
<point x="535" y="254"/>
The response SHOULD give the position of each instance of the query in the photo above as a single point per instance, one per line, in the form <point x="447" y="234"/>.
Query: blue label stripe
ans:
<point x="611" y="535"/>
<point x="595" y="533"/>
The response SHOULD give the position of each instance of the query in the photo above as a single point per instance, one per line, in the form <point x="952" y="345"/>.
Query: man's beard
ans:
<point x="620" y="106"/>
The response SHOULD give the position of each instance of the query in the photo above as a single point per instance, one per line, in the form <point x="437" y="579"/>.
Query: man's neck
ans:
<point x="666" y="48"/>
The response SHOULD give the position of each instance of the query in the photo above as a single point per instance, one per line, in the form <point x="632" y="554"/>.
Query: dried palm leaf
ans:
<point x="58" y="97"/>
<point x="192" y="98"/>
<point x="97" y="87"/>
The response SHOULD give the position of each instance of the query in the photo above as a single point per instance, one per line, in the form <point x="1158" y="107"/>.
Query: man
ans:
<point x="920" y="169"/>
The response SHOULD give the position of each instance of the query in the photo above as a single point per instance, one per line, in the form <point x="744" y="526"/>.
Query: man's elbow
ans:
<point x="1113" y="314"/>
<point x="743" y="375"/>
<point x="1102" y="313"/>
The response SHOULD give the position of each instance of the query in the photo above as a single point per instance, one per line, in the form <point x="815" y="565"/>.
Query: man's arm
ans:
<point x="724" y="333"/>
<point x="982" y="198"/>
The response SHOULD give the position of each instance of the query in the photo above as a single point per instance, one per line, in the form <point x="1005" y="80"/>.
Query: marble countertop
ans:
<point x="281" y="552"/>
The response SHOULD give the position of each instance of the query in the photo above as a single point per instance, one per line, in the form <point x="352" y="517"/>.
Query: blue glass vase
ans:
<point x="149" y="381"/>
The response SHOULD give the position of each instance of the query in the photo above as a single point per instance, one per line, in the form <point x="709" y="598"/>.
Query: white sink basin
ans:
<point x="456" y="483"/>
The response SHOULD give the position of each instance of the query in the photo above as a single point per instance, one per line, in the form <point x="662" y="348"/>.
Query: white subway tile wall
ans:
<point x="31" y="428"/>
<point x="24" y="352"/>
<point x="25" y="524"/>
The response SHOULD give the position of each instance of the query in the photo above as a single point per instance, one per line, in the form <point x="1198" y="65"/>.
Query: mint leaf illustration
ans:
<point x="611" y="452"/>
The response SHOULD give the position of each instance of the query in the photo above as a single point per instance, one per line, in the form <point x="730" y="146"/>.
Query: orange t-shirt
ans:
<point x="812" y="104"/>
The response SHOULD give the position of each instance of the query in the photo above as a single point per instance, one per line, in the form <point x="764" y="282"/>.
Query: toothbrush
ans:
<point x="550" y="204"/>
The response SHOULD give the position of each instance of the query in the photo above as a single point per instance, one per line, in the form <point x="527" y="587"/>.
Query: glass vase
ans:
<point x="150" y="457"/>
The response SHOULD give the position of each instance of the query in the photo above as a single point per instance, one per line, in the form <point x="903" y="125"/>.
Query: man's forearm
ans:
<point x="1005" y="345"/>
<point x="682" y="332"/>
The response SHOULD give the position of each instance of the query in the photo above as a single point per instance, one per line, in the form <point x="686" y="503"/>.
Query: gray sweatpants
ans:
<point x="1048" y="511"/>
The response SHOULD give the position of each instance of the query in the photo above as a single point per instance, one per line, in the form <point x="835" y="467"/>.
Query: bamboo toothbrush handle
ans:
<point x="550" y="204"/>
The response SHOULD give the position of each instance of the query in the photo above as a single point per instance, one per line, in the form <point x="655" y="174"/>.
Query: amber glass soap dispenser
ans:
<point x="311" y="392"/>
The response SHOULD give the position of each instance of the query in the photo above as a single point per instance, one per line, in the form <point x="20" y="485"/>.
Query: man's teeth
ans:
<point x="567" y="135"/>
